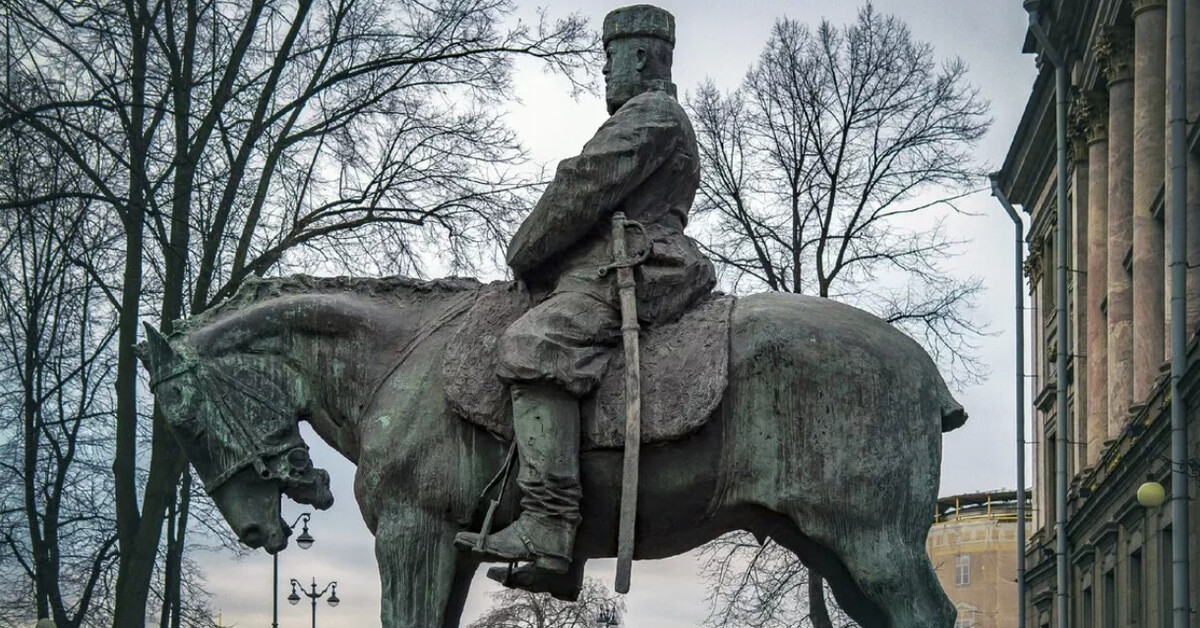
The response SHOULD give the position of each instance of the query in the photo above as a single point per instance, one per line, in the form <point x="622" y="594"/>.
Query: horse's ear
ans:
<point x="155" y="351"/>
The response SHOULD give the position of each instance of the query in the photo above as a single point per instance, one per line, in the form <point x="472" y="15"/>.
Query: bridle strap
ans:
<point x="257" y="454"/>
<point x="256" y="459"/>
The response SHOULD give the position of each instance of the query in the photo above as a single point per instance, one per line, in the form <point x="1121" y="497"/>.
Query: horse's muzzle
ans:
<point x="271" y="538"/>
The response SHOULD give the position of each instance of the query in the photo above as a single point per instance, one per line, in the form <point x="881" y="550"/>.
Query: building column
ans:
<point x="1193" y="170"/>
<point x="1114" y="50"/>
<point x="1149" y="146"/>
<point x="1078" y="290"/>
<point x="1096" y="113"/>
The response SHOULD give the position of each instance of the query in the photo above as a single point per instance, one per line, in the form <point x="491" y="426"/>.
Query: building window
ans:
<point x="1108" y="605"/>
<point x="1087" y="608"/>
<point x="962" y="570"/>
<point x="1135" y="588"/>
<point x="966" y="616"/>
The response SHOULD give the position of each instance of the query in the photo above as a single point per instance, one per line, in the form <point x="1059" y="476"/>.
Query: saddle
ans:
<point x="684" y="370"/>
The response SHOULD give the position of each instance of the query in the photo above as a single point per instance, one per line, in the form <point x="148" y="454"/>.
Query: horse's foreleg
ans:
<point x="463" y="574"/>
<point x="425" y="581"/>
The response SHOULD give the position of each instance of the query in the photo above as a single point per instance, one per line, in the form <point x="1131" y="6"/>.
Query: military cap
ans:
<point x="639" y="20"/>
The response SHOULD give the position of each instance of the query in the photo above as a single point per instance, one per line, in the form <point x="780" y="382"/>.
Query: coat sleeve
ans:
<point x="587" y="189"/>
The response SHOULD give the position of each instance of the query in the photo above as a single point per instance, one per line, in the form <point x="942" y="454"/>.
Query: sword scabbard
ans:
<point x="627" y="291"/>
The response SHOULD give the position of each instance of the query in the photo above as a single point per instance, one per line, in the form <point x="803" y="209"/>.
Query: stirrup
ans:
<point x="565" y="587"/>
<point x="502" y="476"/>
<point x="545" y="545"/>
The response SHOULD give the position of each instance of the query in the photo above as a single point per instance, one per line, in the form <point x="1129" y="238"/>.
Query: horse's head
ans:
<point x="235" y="417"/>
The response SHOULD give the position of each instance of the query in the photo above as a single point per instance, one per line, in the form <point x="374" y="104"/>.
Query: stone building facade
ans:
<point x="1116" y="343"/>
<point x="973" y="547"/>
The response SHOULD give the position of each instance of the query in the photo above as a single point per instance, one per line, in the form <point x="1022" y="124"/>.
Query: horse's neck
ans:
<point x="345" y="370"/>
<point x="336" y="375"/>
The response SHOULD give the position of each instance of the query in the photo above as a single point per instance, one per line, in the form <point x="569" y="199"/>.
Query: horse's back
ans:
<point x="828" y="401"/>
<point x="837" y="340"/>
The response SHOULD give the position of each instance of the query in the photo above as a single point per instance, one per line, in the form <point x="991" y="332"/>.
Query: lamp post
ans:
<point x="305" y="541"/>
<point x="607" y="617"/>
<point x="294" y="598"/>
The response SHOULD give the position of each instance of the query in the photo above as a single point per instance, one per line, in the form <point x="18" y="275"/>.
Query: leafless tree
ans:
<point x="830" y="169"/>
<point x="830" y="172"/>
<point x="514" y="608"/>
<point x="230" y="139"/>
<point x="762" y="585"/>
<point x="57" y="528"/>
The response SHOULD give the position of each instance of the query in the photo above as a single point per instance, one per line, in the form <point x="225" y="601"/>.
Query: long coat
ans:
<point x="643" y="161"/>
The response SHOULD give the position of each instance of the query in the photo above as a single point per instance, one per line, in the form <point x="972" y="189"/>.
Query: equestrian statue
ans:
<point x="605" y="403"/>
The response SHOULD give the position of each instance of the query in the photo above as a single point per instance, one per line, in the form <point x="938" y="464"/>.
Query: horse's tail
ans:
<point x="953" y="414"/>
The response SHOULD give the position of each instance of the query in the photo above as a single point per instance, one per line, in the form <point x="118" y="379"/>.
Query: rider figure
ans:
<point x="643" y="161"/>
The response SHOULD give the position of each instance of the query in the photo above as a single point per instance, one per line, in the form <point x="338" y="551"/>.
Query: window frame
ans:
<point x="962" y="570"/>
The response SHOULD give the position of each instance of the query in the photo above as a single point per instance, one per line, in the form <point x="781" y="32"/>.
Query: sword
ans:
<point x="633" y="391"/>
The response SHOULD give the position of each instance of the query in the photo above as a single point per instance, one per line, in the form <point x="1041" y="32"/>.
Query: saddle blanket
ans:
<point x="684" y="371"/>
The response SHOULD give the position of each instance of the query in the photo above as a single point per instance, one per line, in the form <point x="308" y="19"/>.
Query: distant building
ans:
<point x="1115" y="345"/>
<point x="973" y="547"/>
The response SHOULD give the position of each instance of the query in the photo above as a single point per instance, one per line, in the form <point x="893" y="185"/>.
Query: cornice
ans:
<point x="1084" y="555"/>
<point x="1105" y="537"/>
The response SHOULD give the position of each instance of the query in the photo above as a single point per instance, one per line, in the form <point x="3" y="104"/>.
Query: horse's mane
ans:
<point x="395" y="287"/>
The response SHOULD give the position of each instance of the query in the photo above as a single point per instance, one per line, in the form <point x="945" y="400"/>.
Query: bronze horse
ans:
<point x="828" y="440"/>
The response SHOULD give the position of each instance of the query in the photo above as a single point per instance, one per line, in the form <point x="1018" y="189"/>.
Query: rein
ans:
<point x="220" y="386"/>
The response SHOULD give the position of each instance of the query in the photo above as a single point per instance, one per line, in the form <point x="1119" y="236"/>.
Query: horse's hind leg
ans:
<point x="896" y="575"/>
<point x="425" y="580"/>
<point x="878" y="581"/>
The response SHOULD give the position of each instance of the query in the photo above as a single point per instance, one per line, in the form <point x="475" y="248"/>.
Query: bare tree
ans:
<point x="818" y="174"/>
<point x="830" y="171"/>
<point x="57" y="528"/>
<point x="763" y="585"/>
<point x="227" y="139"/>
<point x="515" y="608"/>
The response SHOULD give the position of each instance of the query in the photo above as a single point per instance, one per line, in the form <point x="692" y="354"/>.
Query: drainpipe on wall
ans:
<point x="1178" y="218"/>
<point x="1019" y="285"/>
<point x="1061" y="84"/>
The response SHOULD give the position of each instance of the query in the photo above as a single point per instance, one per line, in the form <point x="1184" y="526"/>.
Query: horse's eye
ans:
<point x="298" y="459"/>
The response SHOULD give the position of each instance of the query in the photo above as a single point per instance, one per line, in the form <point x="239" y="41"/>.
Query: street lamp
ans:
<point x="1151" y="494"/>
<point x="305" y="541"/>
<point x="607" y="617"/>
<point x="294" y="598"/>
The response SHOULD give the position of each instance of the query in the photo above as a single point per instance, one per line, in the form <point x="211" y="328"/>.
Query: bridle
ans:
<point x="275" y="462"/>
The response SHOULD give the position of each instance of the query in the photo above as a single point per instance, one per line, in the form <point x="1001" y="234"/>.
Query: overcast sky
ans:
<point x="718" y="40"/>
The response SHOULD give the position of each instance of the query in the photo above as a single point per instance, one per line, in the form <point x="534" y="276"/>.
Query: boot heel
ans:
<point x="553" y="564"/>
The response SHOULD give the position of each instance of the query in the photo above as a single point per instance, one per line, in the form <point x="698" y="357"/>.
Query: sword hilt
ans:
<point x="620" y="224"/>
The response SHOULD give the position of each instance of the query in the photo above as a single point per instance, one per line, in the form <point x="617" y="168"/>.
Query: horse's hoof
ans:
<point x="529" y="578"/>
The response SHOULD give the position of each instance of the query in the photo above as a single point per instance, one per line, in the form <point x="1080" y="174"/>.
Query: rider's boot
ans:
<point x="546" y="426"/>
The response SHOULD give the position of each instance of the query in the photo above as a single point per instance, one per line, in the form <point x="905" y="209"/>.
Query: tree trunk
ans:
<point x="177" y="544"/>
<point x="130" y="603"/>
<point x="818" y="613"/>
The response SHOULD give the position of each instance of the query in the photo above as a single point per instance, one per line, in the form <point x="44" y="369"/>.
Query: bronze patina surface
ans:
<point x="824" y="427"/>
<point x="828" y="440"/>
